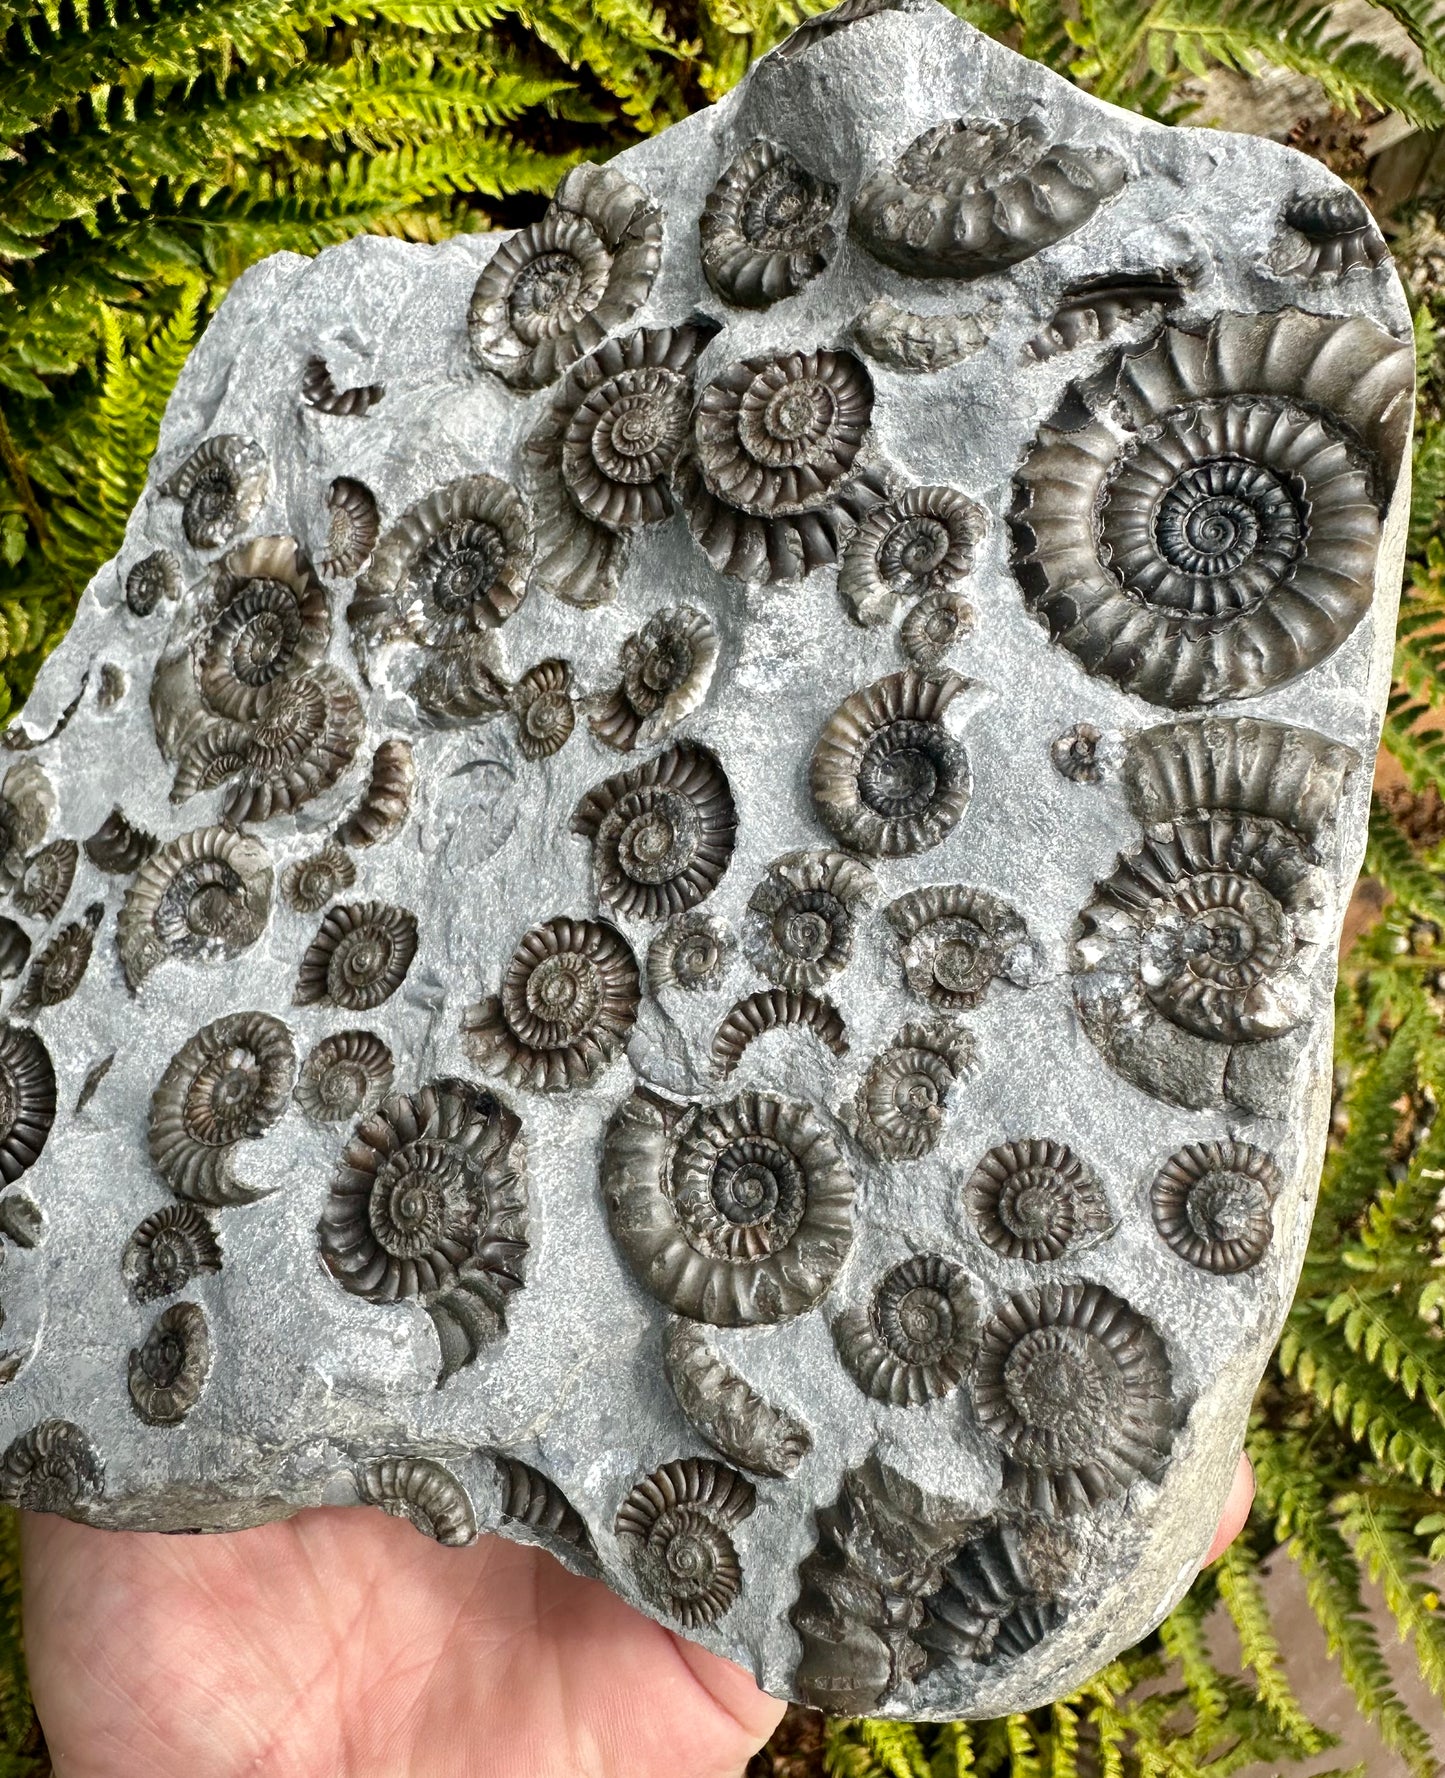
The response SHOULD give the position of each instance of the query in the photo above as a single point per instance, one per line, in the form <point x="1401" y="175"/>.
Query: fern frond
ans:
<point x="1386" y="1541"/>
<point x="1243" y="1598"/>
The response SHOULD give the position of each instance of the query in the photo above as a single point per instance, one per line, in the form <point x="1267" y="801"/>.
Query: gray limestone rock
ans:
<point x="679" y="896"/>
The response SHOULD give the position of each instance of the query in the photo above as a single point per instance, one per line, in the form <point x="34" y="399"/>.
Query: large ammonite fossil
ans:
<point x="764" y="226"/>
<point x="1212" y="530"/>
<point x="359" y="956"/>
<point x="898" y="1111"/>
<point x="201" y="897"/>
<point x="915" y="1338"/>
<point x="1036" y="1200"/>
<point x="221" y="486"/>
<point x="1213" y="1203"/>
<point x="266" y="617"/>
<point x="429" y="1202"/>
<point x="737" y="1213"/>
<point x="676" y="1529"/>
<point x="227" y="1084"/>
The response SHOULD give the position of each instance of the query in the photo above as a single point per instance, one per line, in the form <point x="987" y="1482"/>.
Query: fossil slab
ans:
<point x="679" y="897"/>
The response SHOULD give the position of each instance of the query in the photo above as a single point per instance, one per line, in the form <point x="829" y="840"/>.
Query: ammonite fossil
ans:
<point x="667" y="667"/>
<point x="168" y="1370"/>
<point x="353" y="525"/>
<point x="737" y="1213"/>
<point x="1087" y="755"/>
<point x="320" y="392"/>
<point x="662" y="835"/>
<point x="221" y="486"/>
<point x="1333" y="233"/>
<point x="60" y="968"/>
<point x="309" y="883"/>
<point x="725" y="1408"/>
<point x="426" y="1494"/>
<point x="27" y="807"/>
<point x="45" y="880"/>
<point x="824" y="24"/>
<point x="775" y="1009"/>
<point x="118" y="847"/>
<point x="801" y="918"/>
<point x="692" y="952"/>
<point x="346" y="1076"/>
<point x="151" y="579"/>
<point x="1097" y="308"/>
<point x="543" y="707"/>
<point x="922" y="541"/>
<point x="359" y="956"/>
<point x="569" y="997"/>
<point x="898" y="1112"/>
<point x="765" y="226"/>
<point x="676" y="1529"/>
<point x="14" y="948"/>
<point x="21" y="1219"/>
<point x="168" y="1249"/>
<point x="932" y="627"/>
<point x="887" y="776"/>
<point x="557" y="288"/>
<point x="114" y="682"/>
<point x="974" y="196"/>
<point x="1074" y="1385"/>
<point x="386" y="802"/>
<point x="429" y="1202"/>
<point x="227" y="1084"/>
<point x="201" y="897"/>
<point x="27" y="1099"/>
<point x="999" y="1595"/>
<point x="53" y="1468"/>
<point x="266" y="617"/>
<point x="1035" y="1200"/>
<point x="462" y="682"/>
<point x="957" y="940"/>
<point x="915" y="1338"/>
<point x="534" y="1500"/>
<point x="917" y="344"/>
<point x="1212" y="531"/>
<point x="1213" y="1203"/>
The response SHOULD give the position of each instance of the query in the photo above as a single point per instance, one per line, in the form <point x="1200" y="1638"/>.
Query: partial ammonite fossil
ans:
<point x="1000" y="1594"/>
<point x="319" y="391"/>
<point x="899" y="1109"/>
<point x="835" y="18"/>
<point x="662" y="834"/>
<point x="803" y="916"/>
<point x="226" y="1085"/>
<point x="1097" y="308"/>
<point x="1087" y="755"/>
<point x="765" y="227"/>
<point x="27" y="1099"/>
<point x="534" y="1500"/>
<point x="27" y="807"/>
<point x="45" y="880"/>
<point x="676" y="1528"/>
<point x="1326" y="233"/>
<point x="558" y="287"/>
<point x="887" y="775"/>
<point x="1213" y="1203"/>
<point x="14" y="948"/>
<point x="736" y="1213"/>
<point x="543" y="708"/>
<point x="915" y="1338"/>
<point x="386" y="802"/>
<point x="221" y="487"/>
<point x="1075" y="1387"/>
<point x="307" y="884"/>
<point x="956" y="941"/>
<point x="917" y="344"/>
<point x="353" y="525"/>
<point x="932" y="627"/>
<point x="1212" y="529"/>
<point x="692" y="952"/>
<point x="921" y="541"/>
<point x="265" y="617"/>
<point x="359" y="956"/>
<point x="426" y="1494"/>
<point x="201" y="897"/>
<point x="775" y="1009"/>
<point x="429" y="1202"/>
<point x="667" y="668"/>
<point x="725" y="1408"/>
<point x="21" y="1220"/>
<point x="1036" y="1200"/>
<point x="114" y="682"/>
<point x="347" y="1075"/>
<point x="462" y="682"/>
<point x="52" y="1468"/>
<point x="168" y="1370"/>
<point x="60" y="967"/>
<point x="151" y="579"/>
<point x="118" y="847"/>
<point x="569" y="997"/>
<point x="168" y="1249"/>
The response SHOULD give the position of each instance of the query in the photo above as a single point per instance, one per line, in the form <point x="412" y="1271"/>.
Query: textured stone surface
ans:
<point x="718" y="945"/>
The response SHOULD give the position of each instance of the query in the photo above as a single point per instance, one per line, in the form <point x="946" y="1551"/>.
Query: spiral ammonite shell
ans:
<point x="898" y="1112"/>
<point x="463" y="682"/>
<point x="957" y="940"/>
<point x="765" y="227"/>
<point x="570" y="994"/>
<point x="309" y="883"/>
<point x="46" y="878"/>
<point x="168" y="1370"/>
<point x="60" y="968"/>
<point x="932" y="627"/>
<point x="168" y="1249"/>
<point x="386" y="802"/>
<point x="999" y="1595"/>
<point x="27" y="807"/>
<point x="724" y="1407"/>
<point x="775" y="1009"/>
<point x="267" y="618"/>
<point x="426" y="1494"/>
<point x="914" y="1340"/>
<point x="667" y="668"/>
<point x="319" y="391"/>
<point x="359" y="956"/>
<point x="1036" y="1200"/>
<point x="676" y="1527"/>
<point x="53" y="1468"/>
<point x="27" y="1099"/>
<point x="543" y="707"/>
<point x="346" y="1076"/>
<point x="738" y="1213"/>
<point x="1213" y="1203"/>
<point x="920" y="542"/>
<point x="227" y="1084"/>
<point x="692" y="952"/>
<point x="221" y="487"/>
<point x="1087" y="755"/>
<point x="118" y="847"/>
<point x="151" y="579"/>
<point x="1074" y="1386"/>
<point x="887" y="776"/>
<point x="353" y="525"/>
<point x="1334" y="233"/>
<point x="201" y="897"/>
<point x="802" y="917"/>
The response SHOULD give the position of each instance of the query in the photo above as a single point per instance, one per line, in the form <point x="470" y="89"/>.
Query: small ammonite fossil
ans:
<point x="569" y="998"/>
<point x="1213" y="1203"/>
<point x="201" y="897"/>
<point x="914" y="1340"/>
<point x="151" y="579"/>
<point x="59" y="969"/>
<point x="426" y="1494"/>
<point x="1097" y="308"/>
<point x="662" y="834"/>
<point x="46" y="878"/>
<point x="266" y="617"/>
<point x="1087" y="755"/>
<point x="118" y="847"/>
<point x="999" y="1595"/>
<point x="227" y="1084"/>
<point x="53" y="1468"/>
<point x="27" y="807"/>
<point x="725" y="1408"/>
<point x="933" y="625"/>
<point x="557" y="288"/>
<point x="114" y="682"/>
<point x="534" y="1500"/>
<point x="168" y="1370"/>
<point x="667" y="668"/>
<point x="27" y="1099"/>
<point x="358" y="958"/>
<point x="1329" y="232"/>
<point x="221" y="486"/>
<point x="898" y="1112"/>
<point x="168" y="1249"/>
<point x="802" y="917"/>
<point x="765" y="227"/>
<point x="775" y="1009"/>
<point x="347" y="1075"/>
<point x="386" y="802"/>
<point x="353" y="525"/>
<point x="1074" y="1386"/>
<point x="676" y="1528"/>
<point x="1036" y="1200"/>
<point x="691" y="952"/>
<point x="957" y="940"/>
<point x="917" y="344"/>
<point x="320" y="392"/>
<point x="307" y="884"/>
<point x="543" y="707"/>
<point x="737" y="1213"/>
<point x="887" y="776"/>
<point x="922" y="541"/>
<point x="22" y="1221"/>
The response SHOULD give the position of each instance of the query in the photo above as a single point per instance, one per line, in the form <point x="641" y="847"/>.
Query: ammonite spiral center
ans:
<point x="696" y="957"/>
<point x="420" y="1199"/>
<point x="1063" y="1381"/>
<point x="901" y="769"/>
<point x="637" y="436"/>
<point x="547" y="293"/>
<point x="566" y="991"/>
<point x="1226" y="1206"/>
<point x="961" y="959"/>
<point x="360" y="960"/>
<point x="659" y="842"/>
<point x="256" y="635"/>
<point x="690" y="1549"/>
<point x="203" y="901"/>
<point x="169" y="1259"/>
<point x="1035" y="1204"/>
<point x="917" y="1325"/>
<point x="739" y="1197"/>
<point x="211" y="911"/>
<point x="548" y="714"/>
<point x="213" y="493"/>
<point x="1235" y="932"/>
<point x="221" y="1100"/>
<point x="342" y="1086"/>
<point x="164" y="1358"/>
<point x="913" y="548"/>
<point x="787" y="425"/>
<point x="1218" y="515"/>
<point x="459" y="567"/>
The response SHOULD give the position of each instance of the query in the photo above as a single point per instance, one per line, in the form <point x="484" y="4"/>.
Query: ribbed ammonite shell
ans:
<point x="569" y="997"/>
<point x="676" y="1528"/>
<point x="319" y="391"/>
<point x="920" y="542"/>
<point x="957" y="940"/>
<point x="1087" y="755"/>
<point x="775" y="1009"/>
<point x="267" y="617"/>
<point x="171" y="1247"/>
<point x="1333" y="233"/>
<point x="353" y="525"/>
<point x="168" y="1370"/>
<point x="824" y="24"/>
<point x="999" y="1594"/>
<point x="426" y="1494"/>
<point x="667" y="668"/>
<point x="765" y="226"/>
<point x="27" y="1099"/>
<point x="221" y="486"/>
<point x="346" y="1076"/>
<point x="1036" y="1200"/>
<point x="557" y="288"/>
<point x="227" y="1084"/>
<point x="359" y="956"/>
<point x="802" y="917"/>
<point x="386" y="802"/>
<point x="1097" y="308"/>
<point x="118" y="847"/>
<point x="692" y="952"/>
<point x="46" y="878"/>
<point x="932" y="627"/>
<point x="1214" y="1204"/>
<point x="309" y="883"/>
<point x="917" y="344"/>
<point x="544" y="710"/>
<point x="202" y="897"/>
<point x="898" y="1112"/>
<point x="53" y="1468"/>
<point x="151" y="579"/>
<point x="1074" y="1385"/>
<point x="534" y="1500"/>
<point x="914" y="1340"/>
<point x="725" y="1408"/>
<point x="60" y="968"/>
<point x="737" y="1213"/>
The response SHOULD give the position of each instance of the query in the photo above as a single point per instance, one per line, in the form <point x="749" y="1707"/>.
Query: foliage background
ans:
<point x="151" y="149"/>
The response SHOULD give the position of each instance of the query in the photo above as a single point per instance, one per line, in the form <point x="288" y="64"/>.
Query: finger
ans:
<point x="736" y="1695"/>
<point x="1236" y="1510"/>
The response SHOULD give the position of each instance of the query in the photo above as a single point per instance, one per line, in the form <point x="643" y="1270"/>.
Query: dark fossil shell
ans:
<point x="542" y="704"/>
<point x="202" y="897"/>
<point x="359" y="956"/>
<point x="922" y="541"/>
<point x="14" y="948"/>
<point x="168" y="1371"/>
<point x="900" y="1105"/>
<point x="462" y="682"/>
<point x="887" y="776"/>
<point x="309" y="883"/>
<point x="1037" y="1201"/>
<point x="557" y="288"/>
<point x="1086" y="755"/>
<point x="676" y="1528"/>
<point x="170" y="1248"/>
<point x="1097" y="308"/>
<point x="112" y="687"/>
<point x="1075" y="1387"/>
<point x="53" y="1468"/>
<point x="569" y="997"/>
<point x="267" y="617"/>
<point x="932" y="627"/>
<point x="667" y="668"/>
<point x="957" y="941"/>
<point x="429" y="1202"/>
<point x="1334" y="233"/>
<point x="46" y="878"/>
<point x="386" y="802"/>
<point x="532" y="1499"/>
<point x="1214" y="1204"/>
<point x="27" y="1099"/>
<point x="691" y="952"/>
<point x="999" y="1595"/>
<point x="725" y="1408"/>
<point x="320" y="392"/>
<point x="737" y="1213"/>
<point x="118" y="847"/>
<point x="662" y="835"/>
<point x="151" y="579"/>
<point x="221" y="486"/>
<point x="353" y="525"/>
<point x="773" y="1009"/>
<point x="27" y="807"/>
<point x="915" y="1339"/>
<point x="226" y="1085"/>
<point x="428" y="1496"/>
<point x="836" y="18"/>
<point x="94" y="1079"/>
<point x="765" y="227"/>
<point x="59" y="969"/>
<point x="914" y="343"/>
<point x="346" y="1076"/>
<point x="21" y="1219"/>
<point x="802" y="917"/>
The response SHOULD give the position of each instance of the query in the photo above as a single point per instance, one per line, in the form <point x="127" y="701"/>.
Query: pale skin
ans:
<point x="340" y="1644"/>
